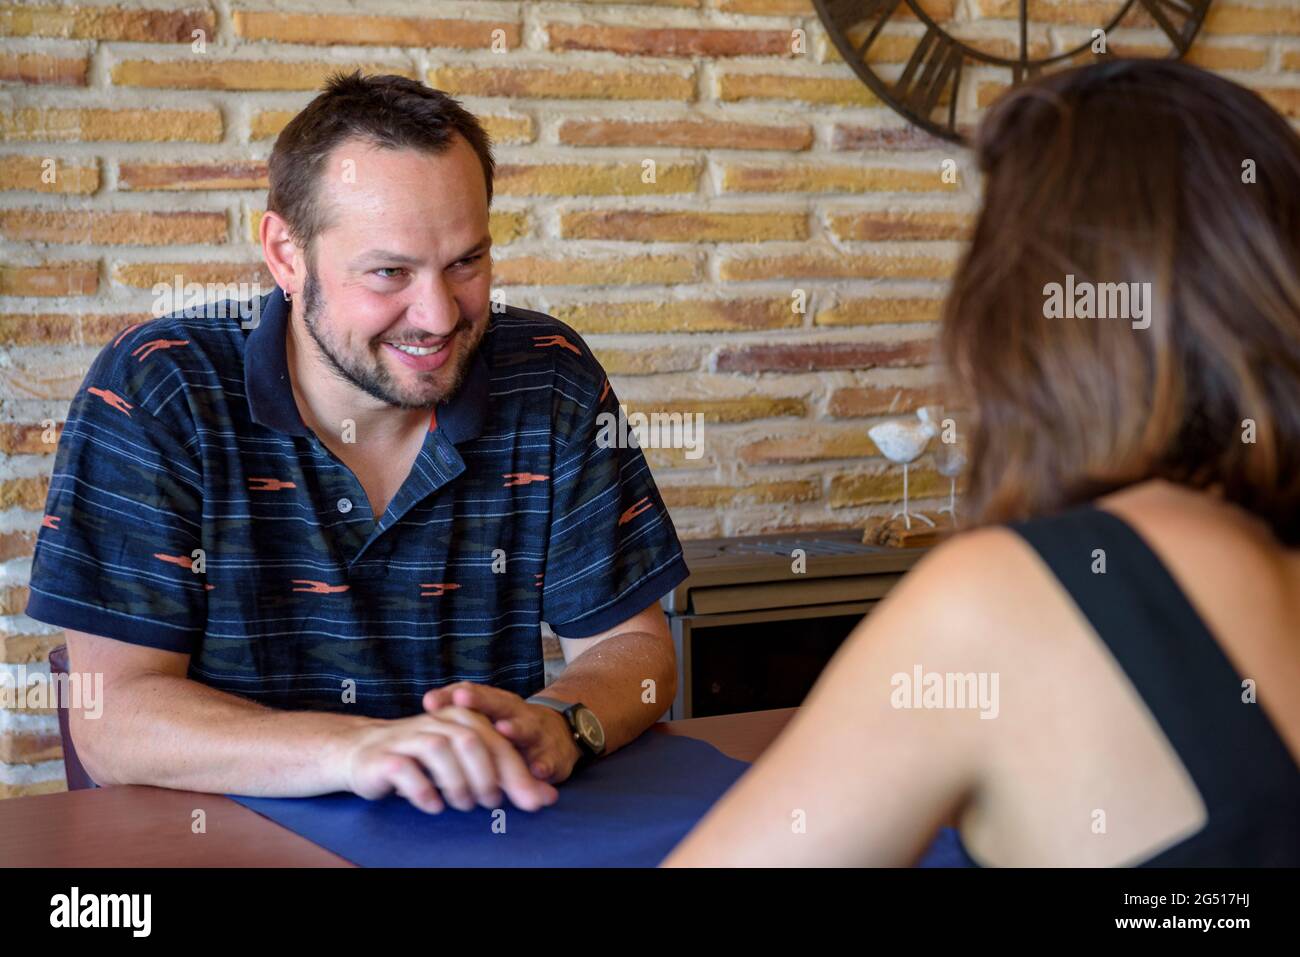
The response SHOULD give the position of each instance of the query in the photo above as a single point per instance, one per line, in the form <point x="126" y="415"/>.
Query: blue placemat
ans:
<point x="628" y="810"/>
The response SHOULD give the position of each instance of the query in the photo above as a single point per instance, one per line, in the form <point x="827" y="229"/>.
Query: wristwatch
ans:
<point x="584" y="724"/>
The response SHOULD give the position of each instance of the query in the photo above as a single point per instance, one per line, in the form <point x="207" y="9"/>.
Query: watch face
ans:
<point x="590" y="730"/>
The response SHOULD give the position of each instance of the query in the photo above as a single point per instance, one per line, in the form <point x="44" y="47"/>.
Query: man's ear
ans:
<point x="283" y="256"/>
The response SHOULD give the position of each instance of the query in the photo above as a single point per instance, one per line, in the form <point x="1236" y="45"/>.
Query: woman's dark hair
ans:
<point x="389" y="111"/>
<point x="1132" y="171"/>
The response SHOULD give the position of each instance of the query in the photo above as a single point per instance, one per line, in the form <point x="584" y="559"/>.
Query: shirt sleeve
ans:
<point x="116" y="552"/>
<point x="613" y="550"/>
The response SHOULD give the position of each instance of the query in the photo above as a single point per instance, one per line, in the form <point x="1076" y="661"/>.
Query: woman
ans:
<point x="1129" y="602"/>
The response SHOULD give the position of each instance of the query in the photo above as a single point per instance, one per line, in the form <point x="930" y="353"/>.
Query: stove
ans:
<point x="761" y="615"/>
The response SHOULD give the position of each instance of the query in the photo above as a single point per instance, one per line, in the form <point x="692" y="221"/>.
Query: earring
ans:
<point x="287" y="296"/>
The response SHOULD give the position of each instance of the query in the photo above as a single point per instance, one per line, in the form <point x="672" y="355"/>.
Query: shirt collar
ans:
<point x="270" y="392"/>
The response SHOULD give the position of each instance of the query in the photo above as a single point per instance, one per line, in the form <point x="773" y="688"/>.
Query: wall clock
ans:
<point x="932" y="77"/>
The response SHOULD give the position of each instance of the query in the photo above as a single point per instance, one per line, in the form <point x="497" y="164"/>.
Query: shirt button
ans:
<point x="345" y="505"/>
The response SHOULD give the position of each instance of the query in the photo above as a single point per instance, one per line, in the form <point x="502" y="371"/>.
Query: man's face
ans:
<point x="405" y="260"/>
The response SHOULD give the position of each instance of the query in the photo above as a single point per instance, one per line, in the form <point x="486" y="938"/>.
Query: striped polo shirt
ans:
<point x="190" y="509"/>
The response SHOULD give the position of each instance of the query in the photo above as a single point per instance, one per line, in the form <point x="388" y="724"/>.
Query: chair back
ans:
<point x="77" y="777"/>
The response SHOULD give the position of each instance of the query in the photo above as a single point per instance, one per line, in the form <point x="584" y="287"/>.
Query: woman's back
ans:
<point x="1088" y="775"/>
<point x="1119" y="710"/>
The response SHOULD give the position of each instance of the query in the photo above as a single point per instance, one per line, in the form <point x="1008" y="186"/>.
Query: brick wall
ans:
<point x="775" y="172"/>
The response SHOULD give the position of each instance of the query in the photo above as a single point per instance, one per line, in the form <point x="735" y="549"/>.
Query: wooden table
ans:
<point x="138" y="826"/>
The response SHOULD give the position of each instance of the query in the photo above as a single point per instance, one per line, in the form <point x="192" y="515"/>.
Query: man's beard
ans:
<point x="369" y="373"/>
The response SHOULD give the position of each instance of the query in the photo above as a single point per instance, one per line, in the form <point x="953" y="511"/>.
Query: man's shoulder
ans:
<point x="150" y="362"/>
<point x="525" y="337"/>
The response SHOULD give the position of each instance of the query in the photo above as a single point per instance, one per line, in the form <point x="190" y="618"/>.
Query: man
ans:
<point x="314" y="555"/>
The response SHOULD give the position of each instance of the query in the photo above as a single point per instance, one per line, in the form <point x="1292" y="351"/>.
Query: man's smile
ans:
<point x="425" y="356"/>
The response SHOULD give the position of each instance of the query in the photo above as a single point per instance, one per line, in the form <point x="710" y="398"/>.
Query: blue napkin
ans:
<point x="627" y="810"/>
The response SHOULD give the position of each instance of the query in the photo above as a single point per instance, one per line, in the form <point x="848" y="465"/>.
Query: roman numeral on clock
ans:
<point x="934" y="66"/>
<point x="852" y="14"/>
<point x="1178" y="18"/>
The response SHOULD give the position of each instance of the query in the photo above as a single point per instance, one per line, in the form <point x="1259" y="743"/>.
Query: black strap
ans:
<point x="1231" y="750"/>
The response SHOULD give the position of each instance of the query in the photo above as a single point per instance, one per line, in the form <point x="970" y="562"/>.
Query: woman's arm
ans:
<point x="859" y="776"/>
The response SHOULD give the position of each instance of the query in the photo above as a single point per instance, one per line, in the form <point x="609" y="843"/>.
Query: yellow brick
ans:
<point x="683" y="227"/>
<point x="712" y="496"/>
<point x="987" y="93"/>
<point x="40" y="68"/>
<point x="728" y="410"/>
<point x="506" y="227"/>
<point x="1201" y="54"/>
<point x="774" y="8"/>
<point x="112" y="228"/>
<point x="803" y="178"/>
<point x="668" y="41"/>
<point x="29" y="748"/>
<point x="123" y="126"/>
<point x="255" y="225"/>
<point x="621" y="362"/>
<point x="876" y="226"/>
<point x="643" y="3"/>
<point x="567" y="84"/>
<point x="30" y="172"/>
<point x="147" y="275"/>
<point x="866" y="312"/>
<point x="1280" y="19"/>
<point x="191" y="176"/>
<point x="887" y="486"/>
<point x="1284" y="99"/>
<point x="509" y="129"/>
<point x="1088" y="13"/>
<point x="104" y="23"/>
<point x="613" y="271"/>
<point x="826" y="442"/>
<point x="32" y="329"/>
<point x="686" y="315"/>
<point x="835" y="265"/>
<point x="825" y="91"/>
<point x="210" y="74"/>
<point x="594" y="179"/>
<point x="29" y="493"/>
<point x="54" y="785"/>
<point x="661" y="460"/>
<point x="267" y="124"/>
<point x="50" y="279"/>
<point x="28" y="649"/>
<point x="350" y="29"/>
<point x="693" y="134"/>
<point x="887" y="48"/>
<point x="938" y="9"/>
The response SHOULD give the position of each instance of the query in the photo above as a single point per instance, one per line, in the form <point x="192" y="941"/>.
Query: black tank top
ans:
<point x="1246" y="777"/>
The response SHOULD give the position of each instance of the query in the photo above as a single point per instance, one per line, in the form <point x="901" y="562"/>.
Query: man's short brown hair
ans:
<point x="389" y="111"/>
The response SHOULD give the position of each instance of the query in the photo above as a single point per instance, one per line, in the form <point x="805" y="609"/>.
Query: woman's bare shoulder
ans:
<point x="983" y="600"/>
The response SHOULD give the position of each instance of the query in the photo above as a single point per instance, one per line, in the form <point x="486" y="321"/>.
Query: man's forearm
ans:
<point x="173" y="732"/>
<point x="628" y="680"/>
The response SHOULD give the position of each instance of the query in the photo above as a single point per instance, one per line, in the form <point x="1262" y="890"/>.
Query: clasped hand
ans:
<point x="472" y="743"/>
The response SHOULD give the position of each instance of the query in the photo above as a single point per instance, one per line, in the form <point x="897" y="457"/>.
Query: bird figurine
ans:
<point x="903" y="441"/>
<point x="949" y="462"/>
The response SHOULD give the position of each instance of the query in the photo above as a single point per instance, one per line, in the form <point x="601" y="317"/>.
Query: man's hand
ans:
<point x="454" y="751"/>
<point x="541" y="734"/>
